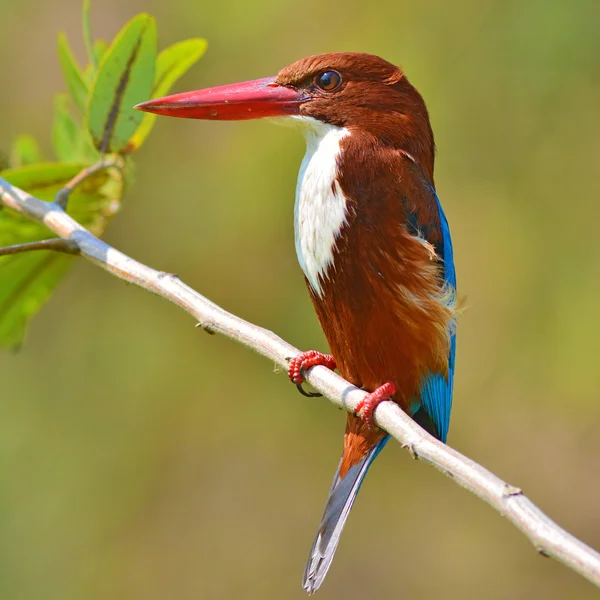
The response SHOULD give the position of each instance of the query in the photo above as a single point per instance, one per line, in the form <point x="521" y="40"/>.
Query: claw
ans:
<point x="304" y="361"/>
<point x="308" y="394"/>
<point x="366" y="407"/>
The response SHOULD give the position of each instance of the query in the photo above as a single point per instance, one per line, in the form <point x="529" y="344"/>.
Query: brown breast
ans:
<point x="383" y="306"/>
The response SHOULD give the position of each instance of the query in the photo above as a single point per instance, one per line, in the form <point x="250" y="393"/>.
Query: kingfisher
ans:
<point x="372" y="241"/>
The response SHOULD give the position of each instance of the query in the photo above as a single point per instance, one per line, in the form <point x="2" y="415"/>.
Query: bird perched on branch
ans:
<point x="372" y="241"/>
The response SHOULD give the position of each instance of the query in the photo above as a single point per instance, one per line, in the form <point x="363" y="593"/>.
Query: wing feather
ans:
<point x="426" y="218"/>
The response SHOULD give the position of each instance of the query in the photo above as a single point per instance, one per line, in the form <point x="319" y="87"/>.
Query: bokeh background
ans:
<point x="141" y="458"/>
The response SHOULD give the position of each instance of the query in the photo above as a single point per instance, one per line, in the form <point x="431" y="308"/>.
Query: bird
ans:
<point x="373" y="243"/>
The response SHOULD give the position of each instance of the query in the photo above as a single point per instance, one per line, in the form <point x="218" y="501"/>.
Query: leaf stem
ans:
<point x="112" y="161"/>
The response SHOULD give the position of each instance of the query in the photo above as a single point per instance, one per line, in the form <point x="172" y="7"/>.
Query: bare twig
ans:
<point x="548" y="538"/>
<point x="55" y="244"/>
<point x="107" y="162"/>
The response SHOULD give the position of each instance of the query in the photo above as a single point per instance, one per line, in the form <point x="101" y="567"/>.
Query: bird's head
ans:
<point x="360" y="92"/>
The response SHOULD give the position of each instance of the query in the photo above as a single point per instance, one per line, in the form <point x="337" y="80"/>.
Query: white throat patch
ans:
<point x="320" y="210"/>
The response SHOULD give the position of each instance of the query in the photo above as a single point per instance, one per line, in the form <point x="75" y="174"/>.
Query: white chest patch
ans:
<point x="320" y="210"/>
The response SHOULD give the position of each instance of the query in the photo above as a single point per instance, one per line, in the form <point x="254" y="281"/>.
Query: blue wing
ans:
<point x="436" y="390"/>
<point x="426" y="218"/>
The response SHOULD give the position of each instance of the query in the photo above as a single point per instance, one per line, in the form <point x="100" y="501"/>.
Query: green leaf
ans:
<point x="124" y="79"/>
<point x="41" y="180"/>
<point x="71" y="142"/>
<point x="100" y="47"/>
<point x="175" y="61"/>
<point x="87" y="34"/>
<point x="27" y="280"/>
<point x="65" y="132"/>
<point x="26" y="284"/>
<point x="76" y="84"/>
<point x="25" y="150"/>
<point x="171" y="64"/>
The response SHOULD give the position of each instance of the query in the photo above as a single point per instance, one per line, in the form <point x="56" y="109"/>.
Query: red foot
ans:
<point x="366" y="407"/>
<point x="308" y="359"/>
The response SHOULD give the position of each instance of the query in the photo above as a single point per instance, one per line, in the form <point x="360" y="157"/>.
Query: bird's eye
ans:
<point x="328" y="80"/>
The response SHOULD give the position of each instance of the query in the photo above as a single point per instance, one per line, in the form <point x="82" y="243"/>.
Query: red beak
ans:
<point x="233" y="102"/>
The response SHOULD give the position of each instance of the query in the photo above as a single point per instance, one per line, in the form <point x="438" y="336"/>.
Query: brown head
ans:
<point x="360" y="92"/>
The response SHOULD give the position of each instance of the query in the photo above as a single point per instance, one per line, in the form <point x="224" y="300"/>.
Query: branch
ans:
<point x="112" y="160"/>
<point x="548" y="538"/>
<point x="56" y="244"/>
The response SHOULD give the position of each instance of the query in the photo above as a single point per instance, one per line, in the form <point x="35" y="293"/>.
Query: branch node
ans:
<point x="541" y="551"/>
<point x="166" y="274"/>
<point x="411" y="450"/>
<point x="62" y="196"/>
<point x="511" y="490"/>
<point x="209" y="328"/>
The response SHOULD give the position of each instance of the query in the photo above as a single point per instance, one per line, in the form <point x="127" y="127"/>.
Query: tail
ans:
<point x="341" y="498"/>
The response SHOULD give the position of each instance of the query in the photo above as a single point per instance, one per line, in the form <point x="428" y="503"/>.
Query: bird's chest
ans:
<point x="320" y="210"/>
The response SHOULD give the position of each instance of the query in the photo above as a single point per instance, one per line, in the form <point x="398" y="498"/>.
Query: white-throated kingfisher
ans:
<point x="372" y="241"/>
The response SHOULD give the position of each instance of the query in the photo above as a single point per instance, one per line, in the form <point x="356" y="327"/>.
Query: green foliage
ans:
<point x="76" y="84"/>
<point x="28" y="279"/>
<point x="67" y="137"/>
<point x="124" y="79"/>
<point x="94" y="117"/>
<point x="87" y="34"/>
<point x="100" y="47"/>
<point x="25" y="151"/>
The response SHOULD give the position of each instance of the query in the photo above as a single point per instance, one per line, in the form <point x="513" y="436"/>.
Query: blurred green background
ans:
<point x="141" y="458"/>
